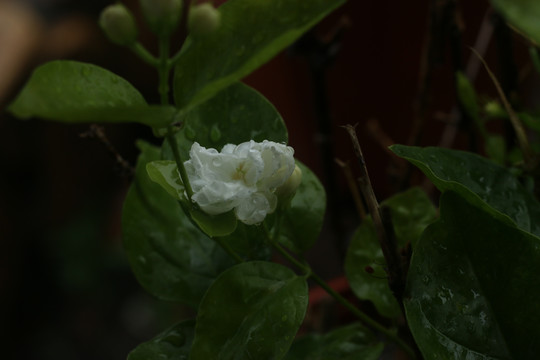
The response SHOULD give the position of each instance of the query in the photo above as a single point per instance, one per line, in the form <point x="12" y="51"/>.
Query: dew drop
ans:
<point x="216" y="162"/>
<point x="215" y="133"/>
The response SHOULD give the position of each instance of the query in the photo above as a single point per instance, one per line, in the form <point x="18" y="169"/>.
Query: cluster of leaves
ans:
<point x="471" y="285"/>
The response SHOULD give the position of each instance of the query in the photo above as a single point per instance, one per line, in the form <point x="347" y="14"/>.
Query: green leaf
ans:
<point x="214" y="225"/>
<point x="251" y="33"/>
<point x="302" y="220"/>
<point x="411" y="213"/>
<point x="252" y="311"/>
<point x="165" y="173"/>
<point x="350" y="342"/>
<point x="171" y="258"/>
<point x="237" y="114"/>
<point x="523" y="14"/>
<point x="467" y="97"/>
<point x="495" y="147"/>
<point x="172" y="344"/>
<point x="473" y="286"/>
<point x="76" y="92"/>
<point x="249" y="242"/>
<point x="480" y="181"/>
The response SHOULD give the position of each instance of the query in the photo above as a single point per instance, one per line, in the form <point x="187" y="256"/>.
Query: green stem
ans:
<point x="142" y="53"/>
<point x="366" y="319"/>
<point x="164" y="70"/>
<point x="228" y="249"/>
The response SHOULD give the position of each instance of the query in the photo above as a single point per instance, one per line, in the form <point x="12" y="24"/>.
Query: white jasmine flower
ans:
<point x="241" y="177"/>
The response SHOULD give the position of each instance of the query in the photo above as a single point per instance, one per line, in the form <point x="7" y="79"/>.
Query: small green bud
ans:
<point x="162" y="16"/>
<point x="288" y="189"/>
<point x="494" y="110"/>
<point x="203" y="19"/>
<point x="118" y="24"/>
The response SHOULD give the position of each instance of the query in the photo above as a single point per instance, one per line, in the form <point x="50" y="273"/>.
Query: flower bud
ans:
<point x="203" y="19"/>
<point x="289" y="187"/>
<point x="118" y="24"/>
<point x="162" y="16"/>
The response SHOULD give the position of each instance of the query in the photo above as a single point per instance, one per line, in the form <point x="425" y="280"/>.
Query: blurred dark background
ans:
<point x="66" y="289"/>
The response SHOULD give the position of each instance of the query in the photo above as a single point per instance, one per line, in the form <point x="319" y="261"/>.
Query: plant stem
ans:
<point x="228" y="250"/>
<point x="142" y="53"/>
<point x="366" y="319"/>
<point x="164" y="69"/>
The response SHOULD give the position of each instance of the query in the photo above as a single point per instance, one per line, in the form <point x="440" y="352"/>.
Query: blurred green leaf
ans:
<point x="482" y="182"/>
<point x="249" y="241"/>
<point x="172" y="344"/>
<point x="76" y="92"/>
<point x="411" y="213"/>
<point x="171" y="258"/>
<point x="252" y="311"/>
<point x="495" y="148"/>
<point x="467" y="98"/>
<point x="237" y="114"/>
<point x="301" y="222"/>
<point x="473" y="286"/>
<point x="522" y="14"/>
<point x="251" y="33"/>
<point x="350" y="342"/>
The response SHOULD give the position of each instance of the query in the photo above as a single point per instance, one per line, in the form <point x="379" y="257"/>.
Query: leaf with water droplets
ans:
<point x="237" y="114"/>
<point x="170" y="257"/>
<point x="301" y="221"/>
<point x="473" y="286"/>
<point x="481" y="181"/>
<point x="252" y="311"/>
<point x="411" y="212"/>
<point x="172" y="344"/>
<point x="251" y="33"/>
<point x="351" y="342"/>
<point x="85" y="93"/>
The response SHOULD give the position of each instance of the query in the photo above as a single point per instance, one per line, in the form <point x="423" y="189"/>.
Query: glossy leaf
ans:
<point x="251" y="33"/>
<point x="480" y="181"/>
<point x="252" y="311"/>
<point x="411" y="213"/>
<point x="171" y="258"/>
<point x="165" y="173"/>
<point x="172" y="344"/>
<point x="249" y="241"/>
<point x="473" y="286"/>
<point x="523" y="14"/>
<point x="237" y="114"/>
<point x="214" y="225"/>
<point x="351" y="342"/>
<point x="301" y="222"/>
<point x="75" y="92"/>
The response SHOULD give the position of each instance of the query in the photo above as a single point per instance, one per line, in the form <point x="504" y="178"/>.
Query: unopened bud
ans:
<point x="118" y="24"/>
<point x="203" y="19"/>
<point x="162" y="16"/>
<point x="289" y="187"/>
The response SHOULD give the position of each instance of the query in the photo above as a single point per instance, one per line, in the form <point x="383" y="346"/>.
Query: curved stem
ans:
<point x="142" y="53"/>
<point x="366" y="319"/>
<point x="228" y="249"/>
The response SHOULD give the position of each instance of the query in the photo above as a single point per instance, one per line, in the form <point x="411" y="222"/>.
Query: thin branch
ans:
<point x="396" y="280"/>
<point x="352" y="187"/>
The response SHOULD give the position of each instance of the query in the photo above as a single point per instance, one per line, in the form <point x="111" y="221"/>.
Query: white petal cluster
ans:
<point x="241" y="177"/>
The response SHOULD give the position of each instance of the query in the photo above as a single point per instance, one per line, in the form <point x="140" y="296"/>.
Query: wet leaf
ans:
<point x="411" y="213"/>
<point x="251" y="33"/>
<point x="75" y="92"/>
<point x="252" y="311"/>
<point x="466" y="286"/>
<point x="172" y="344"/>
<point x="171" y="258"/>
<point x="482" y="182"/>
<point x="350" y="342"/>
